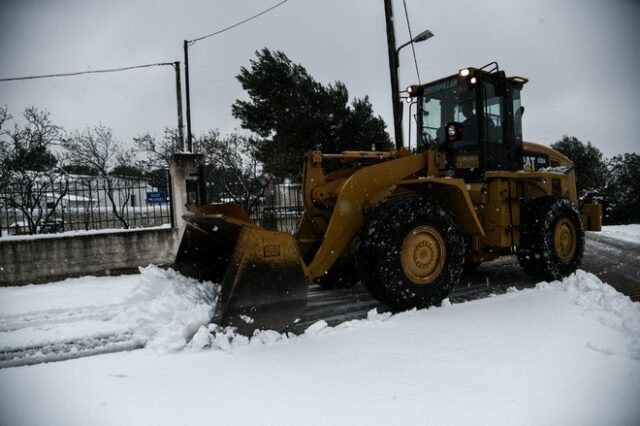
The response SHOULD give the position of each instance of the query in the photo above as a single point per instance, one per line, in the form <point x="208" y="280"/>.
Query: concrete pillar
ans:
<point x="184" y="185"/>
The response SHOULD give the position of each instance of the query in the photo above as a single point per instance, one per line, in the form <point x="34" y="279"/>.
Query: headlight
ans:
<point x="465" y="72"/>
<point x="413" y="90"/>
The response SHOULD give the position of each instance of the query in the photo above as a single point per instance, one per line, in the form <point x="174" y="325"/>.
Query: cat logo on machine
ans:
<point x="535" y="161"/>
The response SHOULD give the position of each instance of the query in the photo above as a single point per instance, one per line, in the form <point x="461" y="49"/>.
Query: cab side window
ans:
<point x="493" y="115"/>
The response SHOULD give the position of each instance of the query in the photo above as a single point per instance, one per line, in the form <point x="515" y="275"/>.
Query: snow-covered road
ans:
<point x="564" y="353"/>
<point x="87" y="316"/>
<point x="561" y="353"/>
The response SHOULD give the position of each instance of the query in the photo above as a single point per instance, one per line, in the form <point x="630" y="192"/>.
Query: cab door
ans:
<point x="500" y="133"/>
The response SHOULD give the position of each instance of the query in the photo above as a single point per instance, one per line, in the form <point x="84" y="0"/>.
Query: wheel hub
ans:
<point x="565" y="239"/>
<point x="423" y="254"/>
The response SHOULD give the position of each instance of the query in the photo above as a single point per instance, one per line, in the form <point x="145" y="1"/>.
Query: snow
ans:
<point x="629" y="233"/>
<point x="158" y="309"/>
<point x="559" y="169"/>
<point x="6" y="237"/>
<point x="563" y="353"/>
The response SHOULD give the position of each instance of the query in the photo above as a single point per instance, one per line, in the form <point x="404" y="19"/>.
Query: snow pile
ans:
<point x="227" y="339"/>
<point x="167" y="308"/>
<point x="604" y="304"/>
<point x="159" y="309"/>
<point x="630" y="233"/>
<point x="597" y="301"/>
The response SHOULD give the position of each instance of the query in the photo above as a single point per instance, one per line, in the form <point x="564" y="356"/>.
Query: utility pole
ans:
<point x="393" y="71"/>
<point x="176" y="67"/>
<point x="188" y="97"/>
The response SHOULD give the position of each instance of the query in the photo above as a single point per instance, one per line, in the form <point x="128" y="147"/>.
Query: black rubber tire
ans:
<point x="341" y="275"/>
<point x="378" y="255"/>
<point x="537" y="254"/>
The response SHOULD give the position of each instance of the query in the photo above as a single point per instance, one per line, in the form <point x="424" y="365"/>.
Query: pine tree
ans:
<point x="622" y="201"/>
<point x="292" y="113"/>
<point x="591" y="169"/>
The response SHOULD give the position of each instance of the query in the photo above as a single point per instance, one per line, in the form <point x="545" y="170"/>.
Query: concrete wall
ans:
<point x="42" y="260"/>
<point x="49" y="259"/>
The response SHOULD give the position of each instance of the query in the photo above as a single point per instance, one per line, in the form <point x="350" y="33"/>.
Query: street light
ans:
<point x="395" y="82"/>
<point x="425" y="35"/>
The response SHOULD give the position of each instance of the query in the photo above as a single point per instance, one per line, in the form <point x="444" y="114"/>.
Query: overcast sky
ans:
<point x="581" y="57"/>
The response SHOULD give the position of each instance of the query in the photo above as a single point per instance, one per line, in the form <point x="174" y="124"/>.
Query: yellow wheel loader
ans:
<point x="405" y="224"/>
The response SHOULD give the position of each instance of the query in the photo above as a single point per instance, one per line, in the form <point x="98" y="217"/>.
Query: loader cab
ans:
<point x="475" y="119"/>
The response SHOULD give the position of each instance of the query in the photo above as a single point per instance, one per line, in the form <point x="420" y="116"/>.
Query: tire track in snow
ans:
<point x="57" y="316"/>
<point x="64" y="350"/>
<point x="161" y="312"/>
<point x="19" y="330"/>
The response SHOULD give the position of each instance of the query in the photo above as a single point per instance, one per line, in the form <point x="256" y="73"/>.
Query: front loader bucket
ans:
<point x="263" y="279"/>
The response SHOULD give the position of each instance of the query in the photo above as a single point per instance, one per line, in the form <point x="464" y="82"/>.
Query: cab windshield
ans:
<point x="444" y="102"/>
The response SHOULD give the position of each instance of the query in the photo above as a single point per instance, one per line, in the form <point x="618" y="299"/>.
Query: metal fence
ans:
<point x="277" y="207"/>
<point x="281" y="208"/>
<point x="82" y="203"/>
<point x="93" y="203"/>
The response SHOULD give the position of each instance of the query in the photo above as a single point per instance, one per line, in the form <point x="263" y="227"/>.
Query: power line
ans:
<point x="69" y="74"/>
<point x="413" y="49"/>
<point x="188" y="43"/>
<point x="192" y="42"/>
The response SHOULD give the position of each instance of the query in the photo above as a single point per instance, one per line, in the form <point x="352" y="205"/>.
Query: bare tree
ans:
<point x="234" y="167"/>
<point x="156" y="157"/>
<point x="96" y="148"/>
<point x="233" y="171"/>
<point x="157" y="154"/>
<point x="5" y="172"/>
<point x="32" y="181"/>
<point x="88" y="208"/>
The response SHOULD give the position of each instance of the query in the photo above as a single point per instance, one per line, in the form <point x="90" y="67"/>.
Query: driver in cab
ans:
<point x="470" y="124"/>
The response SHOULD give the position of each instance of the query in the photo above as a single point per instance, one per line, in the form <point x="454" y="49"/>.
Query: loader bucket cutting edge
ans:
<point x="262" y="276"/>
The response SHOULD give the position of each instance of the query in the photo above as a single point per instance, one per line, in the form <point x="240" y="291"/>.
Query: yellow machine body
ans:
<point x="265" y="274"/>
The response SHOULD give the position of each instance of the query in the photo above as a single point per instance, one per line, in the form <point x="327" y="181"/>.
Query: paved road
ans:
<point x="613" y="261"/>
